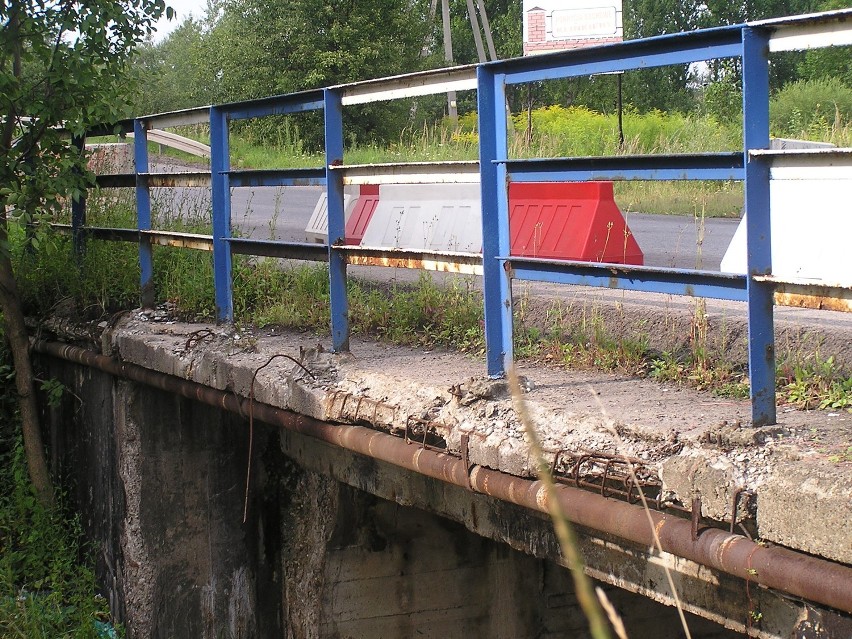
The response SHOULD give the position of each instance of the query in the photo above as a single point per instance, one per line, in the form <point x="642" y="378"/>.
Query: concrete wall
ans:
<point x="161" y="483"/>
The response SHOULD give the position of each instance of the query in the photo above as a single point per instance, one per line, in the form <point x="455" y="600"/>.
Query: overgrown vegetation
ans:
<point x="47" y="586"/>
<point x="425" y="313"/>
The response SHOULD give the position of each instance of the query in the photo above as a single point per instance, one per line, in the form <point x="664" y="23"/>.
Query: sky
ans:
<point x="183" y="9"/>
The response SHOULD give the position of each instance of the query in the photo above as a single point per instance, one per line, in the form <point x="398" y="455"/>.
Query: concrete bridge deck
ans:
<point x="702" y="445"/>
<point x="453" y="445"/>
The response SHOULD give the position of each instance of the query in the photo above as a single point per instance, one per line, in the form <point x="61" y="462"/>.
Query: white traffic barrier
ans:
<point x="434" y="217"/>
<point x="788" y="144"/>
<point x="317" y="229"/>
<point x="811" y="217"/>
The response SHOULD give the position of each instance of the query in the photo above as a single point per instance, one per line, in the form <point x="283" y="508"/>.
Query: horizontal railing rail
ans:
<point x="495" y="169"/>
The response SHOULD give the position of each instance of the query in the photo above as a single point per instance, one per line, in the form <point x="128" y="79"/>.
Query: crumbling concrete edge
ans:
<point x="796" y="505"/>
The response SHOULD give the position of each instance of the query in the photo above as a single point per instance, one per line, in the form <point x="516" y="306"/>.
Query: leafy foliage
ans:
<point x="252" y="48"/>
<point x="47" y="589"/>
<point x="62" y="68"/>
<point x="808" y="108"/>
<point x="816" y="384"/>
<point x="831" y="62"/>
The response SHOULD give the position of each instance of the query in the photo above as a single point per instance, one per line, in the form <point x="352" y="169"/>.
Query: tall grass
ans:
<point x="818" y="110"/>
<point x="558" y="131"/>
<point x="47" y="585"/>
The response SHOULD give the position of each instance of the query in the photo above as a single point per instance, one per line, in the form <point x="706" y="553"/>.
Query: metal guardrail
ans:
<point x="750" y="43"/>
<point x="178" y="142"/>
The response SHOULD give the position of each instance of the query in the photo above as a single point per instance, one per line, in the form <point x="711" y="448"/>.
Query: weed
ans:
<point x="815" y="384"/>
<point x="53" y="391"/>
<point x="842" y="457"/>
<point x="45" y="589"/>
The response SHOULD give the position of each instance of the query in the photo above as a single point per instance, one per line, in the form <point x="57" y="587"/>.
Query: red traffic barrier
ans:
<point x="569" y="221"/>
<point x="361" y="214"/>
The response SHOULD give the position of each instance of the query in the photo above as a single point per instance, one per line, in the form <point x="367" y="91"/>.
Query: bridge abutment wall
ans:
<point x="334" y="544"/>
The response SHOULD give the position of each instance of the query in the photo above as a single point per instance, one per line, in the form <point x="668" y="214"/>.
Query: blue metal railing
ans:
<point x="750" y="43"/>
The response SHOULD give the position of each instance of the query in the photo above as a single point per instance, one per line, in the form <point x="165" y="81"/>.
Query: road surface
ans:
<point x="283" y="212"/>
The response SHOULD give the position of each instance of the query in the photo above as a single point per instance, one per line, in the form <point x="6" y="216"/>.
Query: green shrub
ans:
<point x="723" y="101"/>
<point x="810" y="109"/>
<point x="103" y="279"/>
<point x="47" y="587"/>
<point x="577" y="131"/>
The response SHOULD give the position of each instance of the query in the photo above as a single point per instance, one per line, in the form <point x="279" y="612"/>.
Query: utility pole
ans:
<point x="477" y="31"/>
<point x="448" y="57"/>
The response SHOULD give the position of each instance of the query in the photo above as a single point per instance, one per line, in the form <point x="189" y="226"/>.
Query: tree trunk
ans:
<point x="19" y="343"/>
<point x="10" y="301"/>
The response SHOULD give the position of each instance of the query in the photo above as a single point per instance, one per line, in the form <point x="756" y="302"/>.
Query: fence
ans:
<point x="750" y="43"/>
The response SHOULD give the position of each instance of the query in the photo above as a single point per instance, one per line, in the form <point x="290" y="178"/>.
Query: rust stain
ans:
<point x="197" y="244"/>
<point x="722" y="552"/>
<point x="429" y="264"/>
<point x="818" y="302"/>
<point x="178" y="179"/>
<point x="541" y="499"/>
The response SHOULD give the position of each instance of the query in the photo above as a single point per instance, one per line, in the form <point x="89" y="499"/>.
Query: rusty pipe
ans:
<point x="797" y="574"/>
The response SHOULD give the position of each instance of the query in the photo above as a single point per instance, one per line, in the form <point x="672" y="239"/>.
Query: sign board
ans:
<point x="554" y="25"/>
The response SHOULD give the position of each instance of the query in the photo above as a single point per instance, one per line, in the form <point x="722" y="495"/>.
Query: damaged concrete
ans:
<point x="700" y="445"/>
<point x="692" y="445"/>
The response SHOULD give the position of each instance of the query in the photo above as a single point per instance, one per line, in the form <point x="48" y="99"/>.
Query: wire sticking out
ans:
<point x="251" y="420"/>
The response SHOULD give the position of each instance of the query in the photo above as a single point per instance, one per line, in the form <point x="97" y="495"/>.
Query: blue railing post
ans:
<point x="221" y="200"/>
<point x="147" y="296"/>
<point x="761" y="330"/>
<point x="336" y="220"/>
<point x="491" y="103"/>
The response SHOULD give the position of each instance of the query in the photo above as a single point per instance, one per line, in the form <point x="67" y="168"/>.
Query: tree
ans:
<point x="831" y="62"/>
<point x="265" y="48"/>
<point x="173" y="71"/>
<point x="663" y="88"/>
<point x="63" y="70"/>
<point x="783" y="66"/>
<point x="248" y="49"/>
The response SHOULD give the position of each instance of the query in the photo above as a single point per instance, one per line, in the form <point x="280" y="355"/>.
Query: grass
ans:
<point x="47" y="586"/>
<point x="815" y="384"/>
<point x="699" y="197"/>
